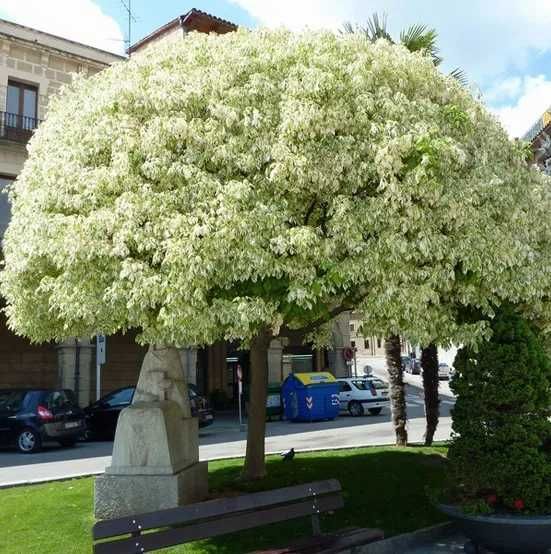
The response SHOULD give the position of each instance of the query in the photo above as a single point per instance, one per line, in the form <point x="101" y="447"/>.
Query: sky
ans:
<point x="504" y="46"/>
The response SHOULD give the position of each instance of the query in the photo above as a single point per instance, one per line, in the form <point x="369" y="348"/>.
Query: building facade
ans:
<point x="33" y="67"/>
<point x="539" y="137"/>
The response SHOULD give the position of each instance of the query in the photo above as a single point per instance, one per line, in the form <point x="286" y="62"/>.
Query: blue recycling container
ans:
<point x="310" y="396"/>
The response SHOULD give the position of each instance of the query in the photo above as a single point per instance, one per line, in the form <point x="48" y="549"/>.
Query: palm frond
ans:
<point x="419" y="38"/>
<point x="460" y="76"/>
<point x="376" y="28"/>
<point x="348" y="28"/>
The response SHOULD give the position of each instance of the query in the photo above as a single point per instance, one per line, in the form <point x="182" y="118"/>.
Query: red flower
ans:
<point x="491" y="499"/>
<point x="518" y="504"/>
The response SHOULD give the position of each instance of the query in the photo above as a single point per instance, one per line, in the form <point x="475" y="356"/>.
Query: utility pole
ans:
<point x="127" y="5"/>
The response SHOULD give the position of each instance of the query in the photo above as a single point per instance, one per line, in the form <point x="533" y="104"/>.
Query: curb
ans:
<point x="402" y="543"/>
<point x="43" y="481"/>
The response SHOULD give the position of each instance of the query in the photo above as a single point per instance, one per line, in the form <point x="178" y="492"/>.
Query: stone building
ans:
<point x="33" y="66"/>
<point x="368" y="348"/>
<point x="539" y="137"/>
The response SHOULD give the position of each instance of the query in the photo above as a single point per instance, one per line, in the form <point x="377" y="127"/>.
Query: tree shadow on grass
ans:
<point x="383" y="488"/>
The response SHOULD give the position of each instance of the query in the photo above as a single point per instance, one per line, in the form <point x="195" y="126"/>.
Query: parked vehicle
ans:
<point x="414" y="367"/>
<point x="444" y="371"/>
<point x="358" y="395"/>
<point x="30" y="417"/>
<point x="102" y="415"/>
<point x="406" y="363"/>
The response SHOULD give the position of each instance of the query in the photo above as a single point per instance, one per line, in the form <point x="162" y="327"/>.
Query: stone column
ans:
<point x="188" y="359"/>
<point x="155" y="463"/>
<point x="341" y="340"/>
<point x="76" y="362"/>
<point x="275" y="359"/>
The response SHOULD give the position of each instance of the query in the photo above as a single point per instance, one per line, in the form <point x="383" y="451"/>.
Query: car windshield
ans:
<point x="11" y="400"/>
<point x="379" y="384"/>
<point x="364" y="384"/>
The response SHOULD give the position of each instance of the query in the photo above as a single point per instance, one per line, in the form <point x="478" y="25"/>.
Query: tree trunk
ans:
<point x="255" y="467"/>
<point x="397" y="389"/>
<point x="429" y="362"/>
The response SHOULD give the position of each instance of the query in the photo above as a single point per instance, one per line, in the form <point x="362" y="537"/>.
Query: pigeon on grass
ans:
<point x="289" y="455"/>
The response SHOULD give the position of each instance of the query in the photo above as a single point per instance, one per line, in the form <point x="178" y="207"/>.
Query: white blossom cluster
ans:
<point x="209" y="188"/>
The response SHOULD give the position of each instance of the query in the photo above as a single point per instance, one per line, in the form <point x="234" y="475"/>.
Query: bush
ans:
<point x="499" y="456"/>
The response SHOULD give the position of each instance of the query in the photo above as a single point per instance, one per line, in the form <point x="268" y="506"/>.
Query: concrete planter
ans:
<point x="504" y="534"/>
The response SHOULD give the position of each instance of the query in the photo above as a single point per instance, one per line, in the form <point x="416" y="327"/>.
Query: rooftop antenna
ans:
<point x="127" y="5"/>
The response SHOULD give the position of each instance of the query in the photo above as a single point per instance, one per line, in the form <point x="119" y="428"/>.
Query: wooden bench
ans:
<point x="213" y="518"/>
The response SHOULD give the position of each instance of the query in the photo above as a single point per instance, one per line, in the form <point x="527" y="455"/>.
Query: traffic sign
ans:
<point x="101" y="345"/>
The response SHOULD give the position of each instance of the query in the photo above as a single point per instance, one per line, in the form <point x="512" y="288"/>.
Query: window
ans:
<point x="5" y="211"/>
<point x="366" y="344"/>
<point x="345" y="387"/>
<point x="10" y="400"/>
<point x="60" y="399"/>
<point x="120" y="397"/>
<point x="361" y="384"/>
<point x="21" y="106"/>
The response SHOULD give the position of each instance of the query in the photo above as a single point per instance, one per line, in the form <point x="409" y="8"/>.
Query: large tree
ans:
<point x="230" y="187"/>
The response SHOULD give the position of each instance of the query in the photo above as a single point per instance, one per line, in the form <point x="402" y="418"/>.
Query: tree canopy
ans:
<point x="212" y="187"/>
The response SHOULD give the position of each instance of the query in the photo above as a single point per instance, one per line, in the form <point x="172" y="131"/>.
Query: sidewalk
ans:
<point x="223" y="441"/>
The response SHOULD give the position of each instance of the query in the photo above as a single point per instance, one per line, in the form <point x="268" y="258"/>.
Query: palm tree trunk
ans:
<point x="397" y="389"/>
<point x="255" y="467"/>
<point x="429" y="362"/>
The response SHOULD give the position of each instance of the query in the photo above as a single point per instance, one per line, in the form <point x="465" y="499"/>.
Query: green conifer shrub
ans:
<point x="499" y="455"/>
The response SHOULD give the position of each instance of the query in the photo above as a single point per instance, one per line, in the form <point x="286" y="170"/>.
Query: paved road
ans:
<point x="224" y="439"/>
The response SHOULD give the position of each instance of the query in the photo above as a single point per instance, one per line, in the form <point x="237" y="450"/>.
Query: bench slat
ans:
<point x="217" y="527"/>
<point x="211" y="509"/>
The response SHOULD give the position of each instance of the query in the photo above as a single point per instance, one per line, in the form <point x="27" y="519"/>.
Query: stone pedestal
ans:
<point x="155" y="463"/>
<point x="126" y="495"/>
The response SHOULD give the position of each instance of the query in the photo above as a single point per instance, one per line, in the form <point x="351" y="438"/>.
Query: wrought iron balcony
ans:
<point x="16" y="127"/>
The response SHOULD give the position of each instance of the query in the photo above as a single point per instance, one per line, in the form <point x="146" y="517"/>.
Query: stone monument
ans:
<point x="155" y="463"/>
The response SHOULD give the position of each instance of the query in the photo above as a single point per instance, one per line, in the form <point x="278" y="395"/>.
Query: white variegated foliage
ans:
<point x="208" y="188"/>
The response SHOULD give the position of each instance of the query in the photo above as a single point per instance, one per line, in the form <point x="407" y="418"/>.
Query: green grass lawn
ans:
<point x="383" y="487"/>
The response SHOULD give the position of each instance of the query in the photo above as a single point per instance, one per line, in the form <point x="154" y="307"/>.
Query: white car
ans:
<point x="444" y="371"/>
<point x="360" y="394"/>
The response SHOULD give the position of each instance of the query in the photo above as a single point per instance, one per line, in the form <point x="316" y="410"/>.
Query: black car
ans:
<point x="102" y="415"/>
<point x="30" y="417"/>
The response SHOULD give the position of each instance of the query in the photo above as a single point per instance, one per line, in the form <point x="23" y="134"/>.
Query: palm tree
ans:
<point x="429" y="363"/>
<point x="397" y="389"/>
<point x="416" y="38"/>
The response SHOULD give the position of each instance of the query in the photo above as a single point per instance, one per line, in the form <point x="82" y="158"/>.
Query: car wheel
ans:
<point x="88" y="435"/>
<point x="28" y="441"/>
<point x="68" y="442"/>
<point x="375" y="411"/>
<point x="355" y="409"/>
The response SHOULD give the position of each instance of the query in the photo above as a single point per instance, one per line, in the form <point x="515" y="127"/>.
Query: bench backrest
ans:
<point x="217" y="517"/>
